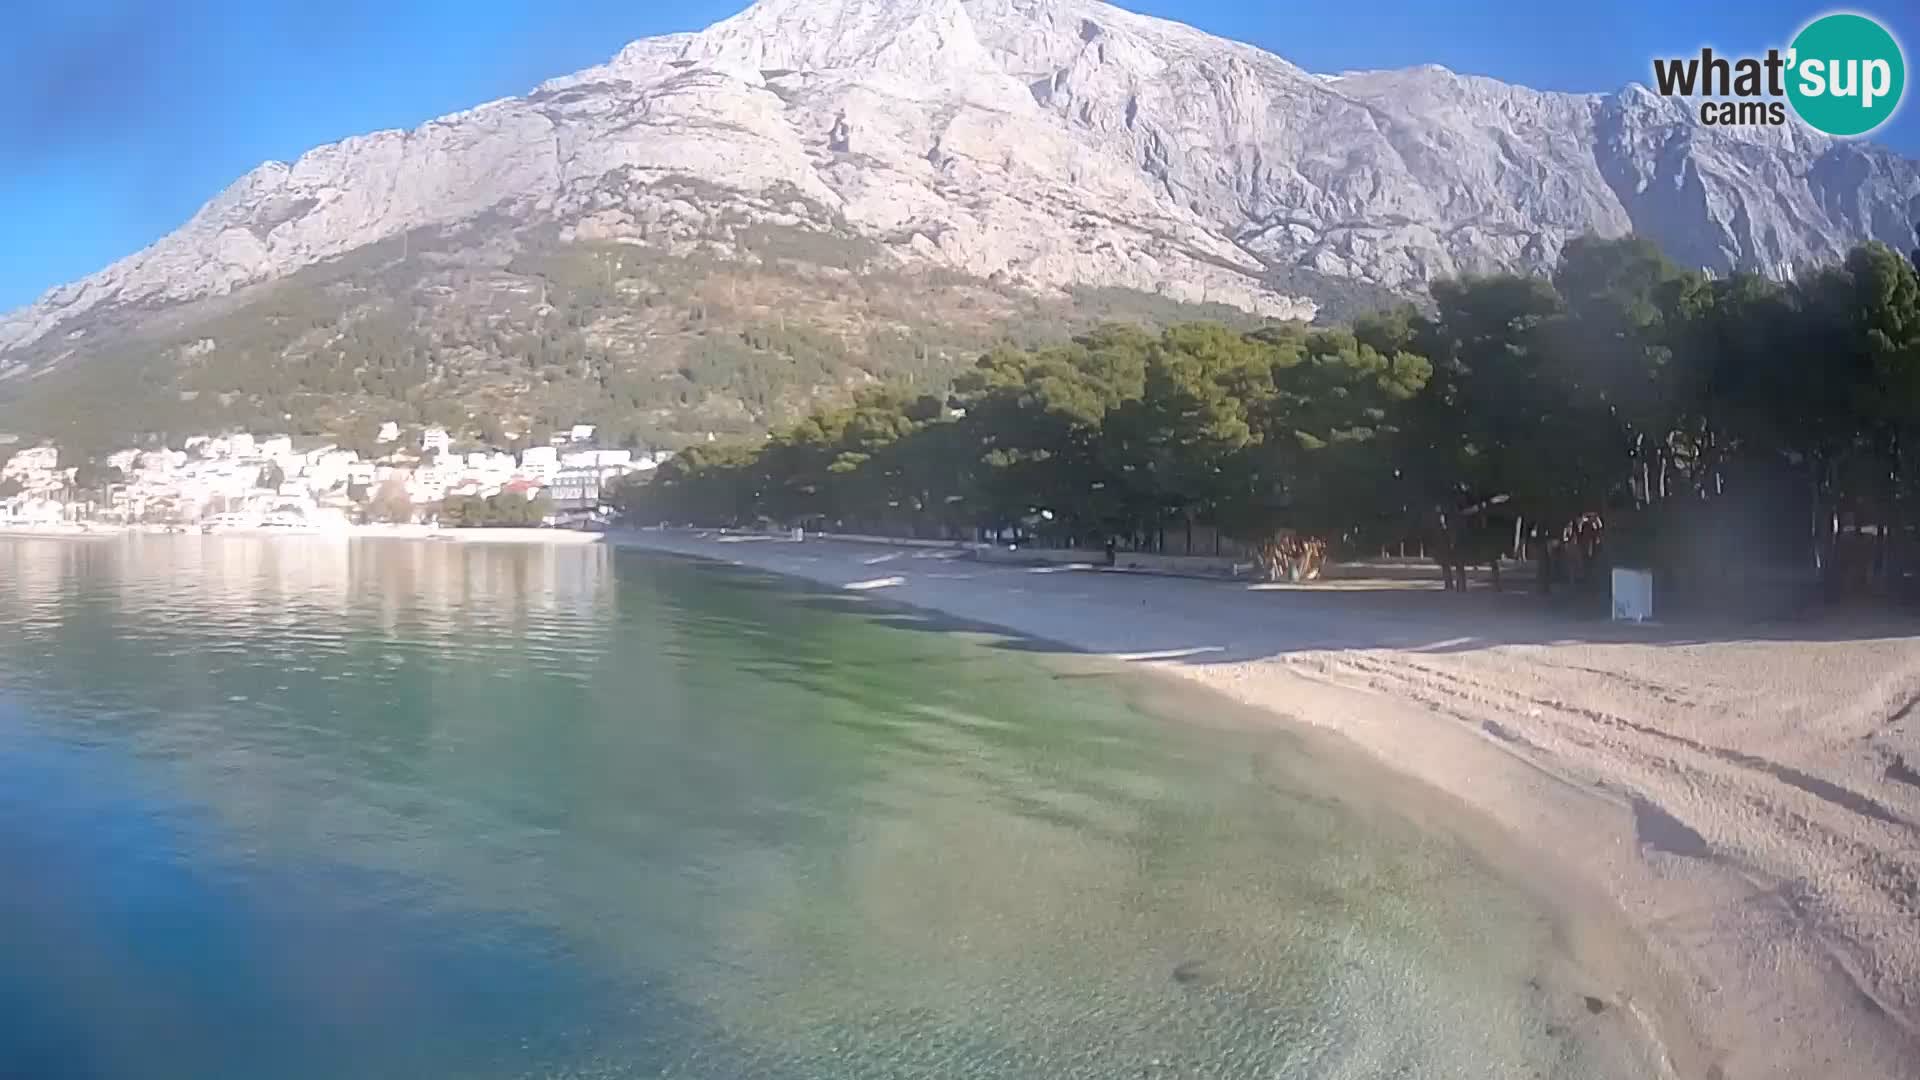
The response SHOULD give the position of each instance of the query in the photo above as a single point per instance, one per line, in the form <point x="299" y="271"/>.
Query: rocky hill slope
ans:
<point x="1035" y="146"/>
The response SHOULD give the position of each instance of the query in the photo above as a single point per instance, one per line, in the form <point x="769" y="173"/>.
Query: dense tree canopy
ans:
<point x="1711" y="421"/>
<point x="506" y="510"/>
<point x="93" y="477"/>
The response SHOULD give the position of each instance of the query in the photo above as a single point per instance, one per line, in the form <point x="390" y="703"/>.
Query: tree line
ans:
<point x="1721" y="428"/>
<point x="506" y="510"/>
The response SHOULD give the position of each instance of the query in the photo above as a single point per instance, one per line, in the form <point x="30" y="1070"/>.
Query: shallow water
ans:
<point x="323" y="808"/>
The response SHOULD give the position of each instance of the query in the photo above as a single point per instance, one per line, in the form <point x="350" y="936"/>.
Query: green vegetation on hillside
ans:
<point x="497" y="512"/>
<point x="493" y="332"/>
<point x="1720" y="426"/>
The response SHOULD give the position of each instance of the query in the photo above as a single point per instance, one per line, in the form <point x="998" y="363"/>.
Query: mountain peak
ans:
<point x="1043" y="144"/>
<point x="813" y="35"/>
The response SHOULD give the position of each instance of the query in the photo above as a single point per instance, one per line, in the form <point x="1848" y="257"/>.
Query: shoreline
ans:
<point x="564" y="537"/>
<point x="1759" y="959"/>
<point x="1725" y="816"/>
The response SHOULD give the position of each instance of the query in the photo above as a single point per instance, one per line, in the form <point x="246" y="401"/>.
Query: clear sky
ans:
<point x="118" y="118"/>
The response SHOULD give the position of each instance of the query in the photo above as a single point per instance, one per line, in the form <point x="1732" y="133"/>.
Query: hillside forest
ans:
<point x="1750" y="440"/>
<point x="502" y="332"/>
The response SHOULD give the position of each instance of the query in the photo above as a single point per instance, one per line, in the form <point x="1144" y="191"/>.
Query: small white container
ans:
<point x="1632" y="595"/>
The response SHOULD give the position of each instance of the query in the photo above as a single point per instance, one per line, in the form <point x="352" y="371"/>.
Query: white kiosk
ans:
<point x="1632" y="595"/>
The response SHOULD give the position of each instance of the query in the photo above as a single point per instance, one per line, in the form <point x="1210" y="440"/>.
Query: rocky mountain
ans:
<point x="1035" y="146"/>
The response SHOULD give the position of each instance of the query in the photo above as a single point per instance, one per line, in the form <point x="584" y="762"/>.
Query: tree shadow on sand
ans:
<point x="1138" y="616"/>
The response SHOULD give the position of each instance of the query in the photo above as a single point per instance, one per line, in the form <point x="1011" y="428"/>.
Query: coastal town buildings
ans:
<point x="246" y="476"/>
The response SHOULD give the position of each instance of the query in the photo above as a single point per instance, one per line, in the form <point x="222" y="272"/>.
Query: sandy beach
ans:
<point x="1745" y="797"/>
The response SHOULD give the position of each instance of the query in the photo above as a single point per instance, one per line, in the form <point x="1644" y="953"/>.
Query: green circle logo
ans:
<point x="1846" y="74"/>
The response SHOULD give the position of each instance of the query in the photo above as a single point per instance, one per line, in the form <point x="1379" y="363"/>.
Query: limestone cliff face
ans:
<point x="1047" y="143"/>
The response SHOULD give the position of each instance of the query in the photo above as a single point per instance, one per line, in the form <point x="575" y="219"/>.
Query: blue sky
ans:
<point x="118" y="118"/>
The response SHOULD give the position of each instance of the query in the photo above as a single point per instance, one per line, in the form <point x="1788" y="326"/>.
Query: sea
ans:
<point x="327" y="807"/>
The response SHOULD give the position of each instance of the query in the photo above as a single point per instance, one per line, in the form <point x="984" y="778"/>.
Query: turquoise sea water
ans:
<point x="318" y="808"/>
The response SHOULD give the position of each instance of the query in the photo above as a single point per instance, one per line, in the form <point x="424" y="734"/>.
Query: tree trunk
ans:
<point x="1821" y="524"/>
<point x="1892" y="523"/>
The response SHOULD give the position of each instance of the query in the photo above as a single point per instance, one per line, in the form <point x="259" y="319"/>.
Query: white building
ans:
<point x="161" y="462"/>
<point x="596" y="459"/>
<point x="428" y="484"/>
<point x="40" y="459"/>
<point x="539" y="458"/>
<point x="389" y="432"/>
<point x="275" y="446"/>
<point x="581" y="433"/>
<point x="27" y="510"/>
<point x="329" y="471"/>
<point x="582" y="486"/>
<point x="435" y="439"/>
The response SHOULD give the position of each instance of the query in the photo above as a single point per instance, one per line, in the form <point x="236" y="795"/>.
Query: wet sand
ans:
<point x="1745" y="798"/>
